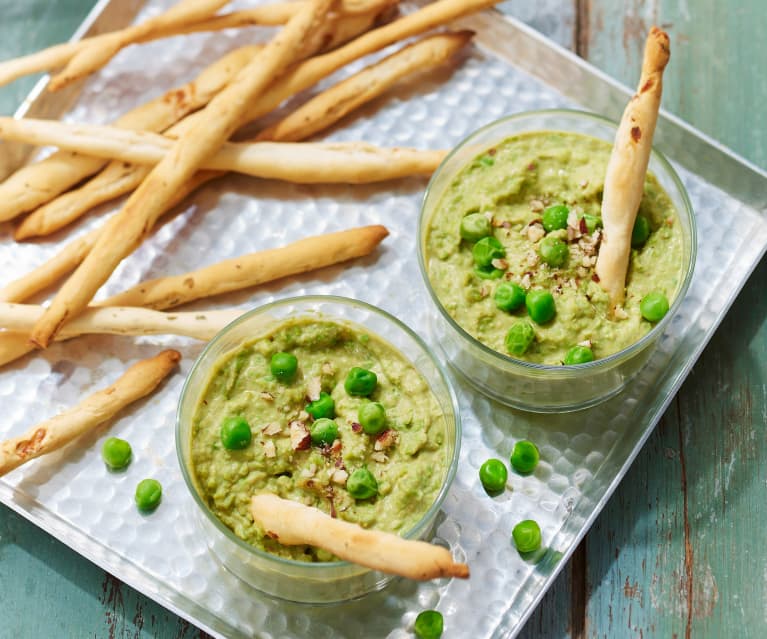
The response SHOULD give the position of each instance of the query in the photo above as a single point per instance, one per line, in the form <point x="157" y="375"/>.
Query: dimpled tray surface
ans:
<point x="583" y="455"/>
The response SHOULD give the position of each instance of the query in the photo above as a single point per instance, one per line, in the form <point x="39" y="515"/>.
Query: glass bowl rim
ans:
<point x="316" y="567"/>
<point x="614" y="358"/>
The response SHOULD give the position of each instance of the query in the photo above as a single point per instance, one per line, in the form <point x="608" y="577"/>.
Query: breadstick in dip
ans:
<point x="627" y="168"/>
<point x="292" y="523"/>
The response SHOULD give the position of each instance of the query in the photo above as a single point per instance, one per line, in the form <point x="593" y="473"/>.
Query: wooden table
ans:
<point x="679" y="549"/>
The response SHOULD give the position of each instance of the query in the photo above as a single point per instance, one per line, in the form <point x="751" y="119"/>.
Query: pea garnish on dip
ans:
<point x="340" y="421"/>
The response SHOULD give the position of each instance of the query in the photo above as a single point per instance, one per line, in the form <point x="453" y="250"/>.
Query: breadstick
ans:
<point x="333" y="104"/>
<point x="302" y="162"/>
<point x="253" y="269"/>
<point x="292" y="523"/>
<point x="137" y="382"/>
<point x="125" y="321"/>
<point x="40" y="182"/>
<point x="230" y="275"/>
<point x="274" y="14"/>
<point x="307" y="73"/>
<point x="137" y="217"/>
<point x="51" y="271"/>
<point x="117" y="178"/>
<point x="299" y="78"/>
<point x="72" y="255"/>
<point x="122" y="320"/>
<point x="58" y="55"/>
<point x="627" y="168"/>
<point x="95" y="55"/>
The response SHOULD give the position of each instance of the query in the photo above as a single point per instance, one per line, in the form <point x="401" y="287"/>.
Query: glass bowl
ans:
<point x="288" y="579"/>
<point x="541" y="387"/>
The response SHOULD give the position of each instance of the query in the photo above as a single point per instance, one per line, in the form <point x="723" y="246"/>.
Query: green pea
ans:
<point x="486" y="250"/>
<point x="579" y="355"/>
<point x="486" y="160"/>
<point x="428" y="625"/>
<point x="653" y="306"/>
<point x="527" y="536"/>
<point x="116" y="453"/>
<point x="361" y="484"/>
<point x="540" y="306"/>
<point x="360" y="382"/>
<point x="493" y="475"/>
<point x="325" y="406"/>
<point x="592" y="222"/>
<point x="488" y="272"/>
<point x="519" y="338"/>
<point x="553" y="251"/>
<point x="324" y="431"/>
<point x="555" y="218"/>
<point x="474" y="227"/>
<point x="372" y="417"/>
<point x="509" y="297"/>
<point x="284" y="367"/>
<point x="235" y="433"/>
<point x="525" y="457"/>
<point x="148" y="494"/>
<point x="640" y="232"/>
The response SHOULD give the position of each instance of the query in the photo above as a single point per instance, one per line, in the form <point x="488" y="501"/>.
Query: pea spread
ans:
<point x="511" y="192"/>
<point x="406" y="454"/>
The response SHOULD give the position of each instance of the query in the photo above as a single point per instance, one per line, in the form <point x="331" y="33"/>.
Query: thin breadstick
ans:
<point x="333" y="104"/>
<point x="58" y="55"/>
<point x="122" y="320"/>
<point x="250" y="270"/>
<point x="274" y="14"/>
<point x="73" y="253"/>
<point x="202" y="325"/>
<point x="137" y="382"/>
<point x="229" y="275"/>
<point x="307" y="73"/>
<point x="302" y="162"/>
<point x="300" y="77"/>
<point x="125" y="231"/>
<point x="292" y="523"/>
<point x="40" y="182"/>
<point x="627" y="168"/>
<point x="183" y="18"/>
<point x="51" y="271"/>
<point x="95" y="55"/>
<point x="117" y="178"/>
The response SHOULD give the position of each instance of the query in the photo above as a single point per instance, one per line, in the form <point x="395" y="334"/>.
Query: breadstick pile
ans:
<point x="159" y="153"/>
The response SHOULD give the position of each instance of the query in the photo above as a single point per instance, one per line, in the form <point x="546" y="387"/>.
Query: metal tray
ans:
<point x="584" y="455"/>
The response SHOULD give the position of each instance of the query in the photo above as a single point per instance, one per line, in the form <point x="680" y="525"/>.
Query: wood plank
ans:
<point x="48" y="590"/>
<point x="675" y="552"/>
<point x="715" y="79"/>
<point x="29" y="26"/>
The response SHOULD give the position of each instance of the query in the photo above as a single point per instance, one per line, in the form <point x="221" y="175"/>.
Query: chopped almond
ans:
<point x="300" y="439"/>
<point x="272" y="428"/>
<point x="386" y="439"/>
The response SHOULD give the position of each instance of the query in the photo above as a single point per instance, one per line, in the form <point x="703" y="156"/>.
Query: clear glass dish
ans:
<point x="539" y="387"/>
<point x="297" y="581"/>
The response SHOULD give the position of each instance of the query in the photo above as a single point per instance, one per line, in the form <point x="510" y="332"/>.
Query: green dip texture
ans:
<point x="408" y="458"/>
<point x="512" y="184"/>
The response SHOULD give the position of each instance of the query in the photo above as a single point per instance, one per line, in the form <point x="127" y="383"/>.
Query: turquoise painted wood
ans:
<point x="678" y="549"/>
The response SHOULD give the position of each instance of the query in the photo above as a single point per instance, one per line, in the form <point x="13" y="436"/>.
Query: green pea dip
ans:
<point x="512" y="184"/>
<point x="408" y="459"/>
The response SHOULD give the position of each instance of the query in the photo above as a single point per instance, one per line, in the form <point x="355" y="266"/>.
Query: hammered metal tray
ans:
<point x="584" y="455"/>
